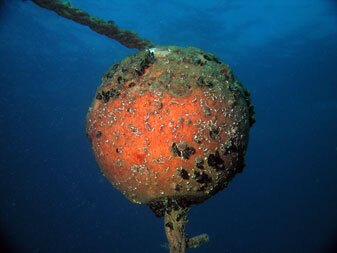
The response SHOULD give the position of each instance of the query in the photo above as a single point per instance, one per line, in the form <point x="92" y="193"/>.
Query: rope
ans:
<point x="126" y="38"/>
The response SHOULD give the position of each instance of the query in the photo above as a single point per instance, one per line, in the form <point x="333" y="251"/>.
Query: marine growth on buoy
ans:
<point x="170" y="125"/>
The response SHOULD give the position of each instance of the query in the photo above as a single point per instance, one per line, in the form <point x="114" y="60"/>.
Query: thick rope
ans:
<point x="174" y="221"/>
<point x="109" y="29"/>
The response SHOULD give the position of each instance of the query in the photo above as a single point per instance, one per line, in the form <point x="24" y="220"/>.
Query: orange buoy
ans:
<point x="169" y="127"/>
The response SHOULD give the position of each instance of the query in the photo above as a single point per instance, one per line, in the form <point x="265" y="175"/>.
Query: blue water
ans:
<point x="53" y="197"/>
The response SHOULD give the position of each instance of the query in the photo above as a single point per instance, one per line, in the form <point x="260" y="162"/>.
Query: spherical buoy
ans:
<point x="169" y="126"/>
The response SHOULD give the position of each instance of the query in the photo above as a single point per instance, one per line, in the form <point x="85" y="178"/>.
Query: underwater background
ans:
<point x="53" y="197"/>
